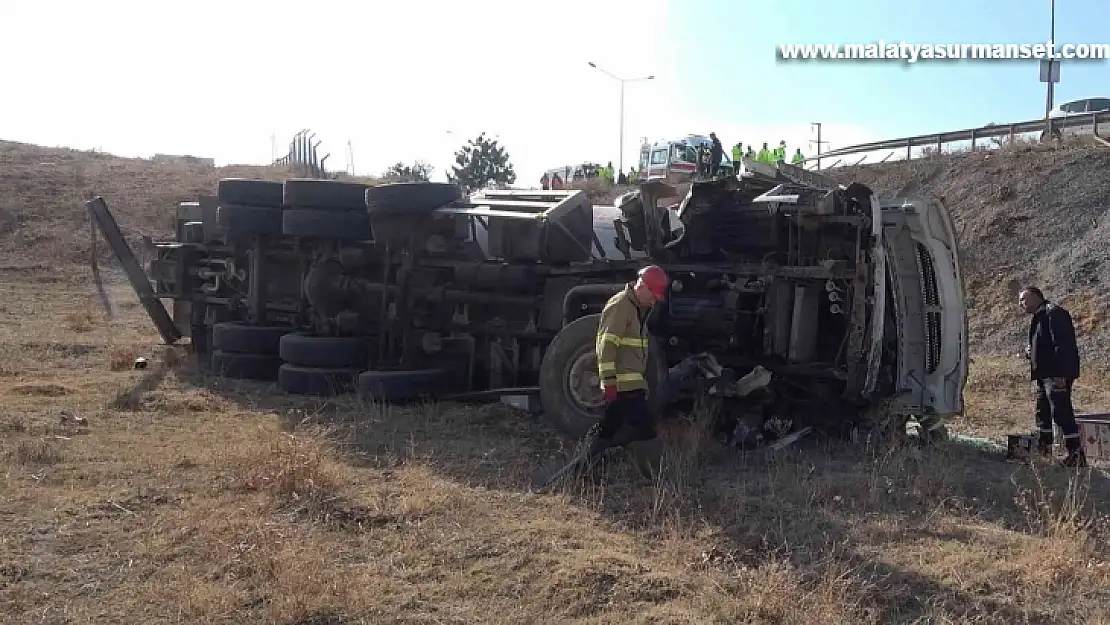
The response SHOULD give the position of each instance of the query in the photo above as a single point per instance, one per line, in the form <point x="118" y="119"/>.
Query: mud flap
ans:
<point x="100" y="214"/>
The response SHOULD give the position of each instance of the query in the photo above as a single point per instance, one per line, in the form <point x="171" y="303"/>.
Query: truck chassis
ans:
<point x="405" y="291"/>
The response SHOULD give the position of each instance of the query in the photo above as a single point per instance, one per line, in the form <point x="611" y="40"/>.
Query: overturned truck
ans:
<point x="403" y="291"/>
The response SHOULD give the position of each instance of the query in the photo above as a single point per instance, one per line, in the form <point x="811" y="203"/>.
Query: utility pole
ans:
<point x="622" y="81"/>
<point x="273" y="149"/>
<point x="1049" y="90"/>
<point x="350" y="157"/>
<point x="1050" y="73"/>
<point x="819" y="142"/>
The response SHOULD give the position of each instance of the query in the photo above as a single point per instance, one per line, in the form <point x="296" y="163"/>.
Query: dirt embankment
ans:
<point x="42" y="193"/>
<point x="1028" y="214"/>
<point x="1024" y="215"/>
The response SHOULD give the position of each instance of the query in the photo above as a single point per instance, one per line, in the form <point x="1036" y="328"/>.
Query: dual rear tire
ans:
<point x="570" y="384"/>
<point x="304" y="364"/>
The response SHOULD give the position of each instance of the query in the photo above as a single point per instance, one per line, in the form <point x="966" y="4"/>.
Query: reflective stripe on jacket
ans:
<point x="622" y="343"/>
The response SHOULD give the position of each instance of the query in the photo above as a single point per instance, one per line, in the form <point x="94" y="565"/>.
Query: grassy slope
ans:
<point x="195" y="500"/>
<point x="1030" y="214"/>
<point x="198" y="500"/>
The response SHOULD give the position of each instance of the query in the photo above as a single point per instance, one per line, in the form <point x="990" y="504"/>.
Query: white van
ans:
<point x="676" y="160"/>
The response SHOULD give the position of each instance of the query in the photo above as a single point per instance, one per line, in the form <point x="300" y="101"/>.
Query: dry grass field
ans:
<point x="186" y="499"/>
<point x="160" y="495"/>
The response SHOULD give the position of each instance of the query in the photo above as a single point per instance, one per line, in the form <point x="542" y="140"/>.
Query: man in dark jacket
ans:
<point x="1053" y="367"/>
<point x="716" y="154"/>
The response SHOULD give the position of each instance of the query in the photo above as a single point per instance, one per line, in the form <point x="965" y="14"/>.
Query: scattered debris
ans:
<point x="66" y="418"/>
<point x="788" y="440"/>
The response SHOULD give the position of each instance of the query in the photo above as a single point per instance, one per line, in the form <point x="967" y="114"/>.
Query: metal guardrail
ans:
<point x="303" y="155"/>
<point x="990" y="131"/>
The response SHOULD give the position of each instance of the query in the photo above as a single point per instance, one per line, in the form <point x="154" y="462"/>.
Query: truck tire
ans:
<point x="241" y="219"/>
<point x="326" y="224"/>
<point x="324" y="351"/>
<point x="325" y="194"/>
<point x="297" y="380"/>
<point x="249" y="192"/>
<point x="569" y="382"/>
<point x="245" y="366"/>
<point x="408" y="197"/>
<point x="401" y="386"/>
<point x="236" y="337"/>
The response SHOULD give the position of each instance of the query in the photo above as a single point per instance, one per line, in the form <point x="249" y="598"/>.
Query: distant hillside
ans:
<point x="42" y="193"/>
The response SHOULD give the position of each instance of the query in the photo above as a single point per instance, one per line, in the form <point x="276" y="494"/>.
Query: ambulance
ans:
<point x="676" y="160"/>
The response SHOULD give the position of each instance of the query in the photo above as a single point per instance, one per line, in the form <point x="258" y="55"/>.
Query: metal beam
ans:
<point x="982" y="132"/>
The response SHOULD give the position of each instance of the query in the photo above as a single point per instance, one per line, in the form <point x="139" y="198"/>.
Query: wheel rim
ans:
<point x="582" y="383"/>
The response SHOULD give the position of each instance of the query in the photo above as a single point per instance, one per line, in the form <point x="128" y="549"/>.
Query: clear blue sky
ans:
<point x="725" y="51"/>
<point x="389" y="77"/>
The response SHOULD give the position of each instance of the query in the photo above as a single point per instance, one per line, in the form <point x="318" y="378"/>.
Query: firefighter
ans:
<point x="765" y="155"/>
<point x="607" y="172"/>
<point x="780" y="152"/>
<point x="797" y="159"/>
<point x="622" y="352"/>
<point x="1053" y="366"/>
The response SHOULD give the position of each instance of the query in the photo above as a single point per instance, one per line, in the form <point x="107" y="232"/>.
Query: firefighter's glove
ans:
<point x="610" y="394"/>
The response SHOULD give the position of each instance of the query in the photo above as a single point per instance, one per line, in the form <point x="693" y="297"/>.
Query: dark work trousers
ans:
<point x="1055" y="405"/>
<point x="628" y="409"/>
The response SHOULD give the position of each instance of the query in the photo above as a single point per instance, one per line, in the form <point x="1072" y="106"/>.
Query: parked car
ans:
<point x="1079" y="107"/>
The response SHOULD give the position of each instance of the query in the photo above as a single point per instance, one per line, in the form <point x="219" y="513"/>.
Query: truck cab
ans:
<point x="855" y="304"/>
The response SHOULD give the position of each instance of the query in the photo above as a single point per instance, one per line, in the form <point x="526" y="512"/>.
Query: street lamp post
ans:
<point x="622" y="81"/>
<point x="1051" y="60"/>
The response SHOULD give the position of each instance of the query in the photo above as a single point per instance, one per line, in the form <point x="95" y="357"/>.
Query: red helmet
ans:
<point x="655" y="279"/>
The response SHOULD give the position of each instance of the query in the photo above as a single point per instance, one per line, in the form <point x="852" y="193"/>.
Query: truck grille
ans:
<point x="741" y="230"/>
<point x="696" y="314"/>
<point x="930" y="296"/>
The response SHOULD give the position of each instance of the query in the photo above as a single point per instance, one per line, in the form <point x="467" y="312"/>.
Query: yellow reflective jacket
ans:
<point x="622" y="343"/>
<point x="765" y="156"/>
<point x="798" y="158"/>
<point x="737" y="153"/>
